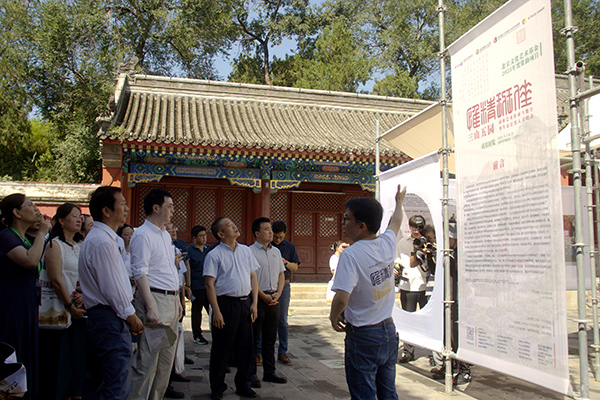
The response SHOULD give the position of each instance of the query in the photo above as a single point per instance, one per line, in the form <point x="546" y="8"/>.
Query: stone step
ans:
<point x="309" y="287"/>
<point x="308" y="295"/>
<point x="296" y="302"/>
<point x="320" y="311"/>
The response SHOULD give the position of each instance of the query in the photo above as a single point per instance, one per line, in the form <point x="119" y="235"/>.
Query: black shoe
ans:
<point x="274" y="378"/>
<point x="188" y="360"/>
<point x="179" y="378"/>
<point x="255" y="382"/>
<point x="216" y="396"/>
<point x="246" y="393"/>
<point x="174" y="394"/>
<point x="200" y="340"/>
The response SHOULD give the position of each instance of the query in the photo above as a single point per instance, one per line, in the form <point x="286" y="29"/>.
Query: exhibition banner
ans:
<point x="511" y="264"/>
<point x="421" y="177"/>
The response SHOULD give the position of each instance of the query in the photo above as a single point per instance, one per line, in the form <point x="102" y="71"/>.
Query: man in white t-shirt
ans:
<point x="364" y="299"/>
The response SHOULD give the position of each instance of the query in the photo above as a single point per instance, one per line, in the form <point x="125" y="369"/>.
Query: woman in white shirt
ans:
<point x="337" y="248"/>
<point x="62" y="259"/>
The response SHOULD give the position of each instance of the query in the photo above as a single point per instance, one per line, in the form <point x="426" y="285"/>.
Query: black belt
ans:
<point x="353" y="328"/>
<point x="161" y="291"/>
<point x="99" y="307"/>
<point x="269" y="291"/>
<point x="240" y="298"/>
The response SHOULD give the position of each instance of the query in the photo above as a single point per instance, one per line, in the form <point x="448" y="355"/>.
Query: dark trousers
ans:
<point x="266" y="323"/>
<point x="200" y="302"/>
<point x="236" y="337"/>
<point x="109" y="357"/>
<point x="410" y="300"/>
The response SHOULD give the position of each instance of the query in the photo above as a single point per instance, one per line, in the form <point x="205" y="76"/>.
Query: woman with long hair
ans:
<point x="19" y="270"/>
<point x="66" y="349"/>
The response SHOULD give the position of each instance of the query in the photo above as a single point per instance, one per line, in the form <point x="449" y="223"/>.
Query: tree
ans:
<point x="14" y="102"/>
<point x="586" y="14"/>
<point x="338" y="61"/>
<point x="262" y="24"/>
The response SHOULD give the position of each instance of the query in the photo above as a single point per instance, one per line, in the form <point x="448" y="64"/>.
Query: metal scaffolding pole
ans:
<point x="445" y="150"/>
<point x="569" y="31"/>
<point x="590" y="163"/>
<point x="595" y="286"/>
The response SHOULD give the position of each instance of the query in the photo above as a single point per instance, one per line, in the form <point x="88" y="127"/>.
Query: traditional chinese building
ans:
<point x="244" y="151"/>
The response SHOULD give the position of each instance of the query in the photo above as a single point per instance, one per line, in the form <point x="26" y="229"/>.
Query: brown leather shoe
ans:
<point x="284" y="359"/>
<point x="259" y="359"/>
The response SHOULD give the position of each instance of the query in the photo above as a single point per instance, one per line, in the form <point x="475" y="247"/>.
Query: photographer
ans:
<point x="426" y="256"/>
<point x="413" y="277"/>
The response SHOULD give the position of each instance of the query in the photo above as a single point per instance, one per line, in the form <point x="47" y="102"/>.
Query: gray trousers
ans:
<point x="150" y="372"/>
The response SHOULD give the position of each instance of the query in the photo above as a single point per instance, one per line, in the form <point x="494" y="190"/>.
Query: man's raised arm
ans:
<point x="396" y="219"/>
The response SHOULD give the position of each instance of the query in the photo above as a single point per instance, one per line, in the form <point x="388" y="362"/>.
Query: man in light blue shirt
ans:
<point x="232" y="290"/>
<point x="270" y="285"/>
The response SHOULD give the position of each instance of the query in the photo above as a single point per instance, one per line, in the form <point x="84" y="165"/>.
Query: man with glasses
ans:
<point x="364" y="299"/>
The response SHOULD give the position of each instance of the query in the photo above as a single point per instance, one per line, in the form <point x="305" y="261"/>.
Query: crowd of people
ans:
<point x="109" y="287"/>
<point x="113" y="287"/>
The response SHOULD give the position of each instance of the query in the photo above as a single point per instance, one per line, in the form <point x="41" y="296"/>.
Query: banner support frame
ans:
<point x="569" y="32"/>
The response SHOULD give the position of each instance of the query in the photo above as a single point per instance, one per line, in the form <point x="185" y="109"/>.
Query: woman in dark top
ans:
<point x="19" y="269"/>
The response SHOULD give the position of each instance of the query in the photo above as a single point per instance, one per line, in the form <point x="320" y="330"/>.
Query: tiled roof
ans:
<point x="194" y="113"/>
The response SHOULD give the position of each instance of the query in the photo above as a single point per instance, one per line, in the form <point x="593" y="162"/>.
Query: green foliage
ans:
<point x="14" y="102"/>
<point x="261" y="24"/>
<point x="339" y="62"/>
<point x="400" y="84"/>
<point x="58" y="59"/>
<point x="586" y="14"/>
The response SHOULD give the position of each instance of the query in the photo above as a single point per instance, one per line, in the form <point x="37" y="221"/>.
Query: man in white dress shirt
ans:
<point x="107" y="296"/>
<point x="157" y="300"/>
<point x="270" y="278"/>
<point x="232" y="291"/>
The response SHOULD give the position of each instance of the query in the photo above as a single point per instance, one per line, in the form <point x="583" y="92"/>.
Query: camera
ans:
<point x="419" y="242"/>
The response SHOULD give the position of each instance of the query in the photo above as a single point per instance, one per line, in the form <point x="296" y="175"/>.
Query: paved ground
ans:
<point x="317" y="371"/>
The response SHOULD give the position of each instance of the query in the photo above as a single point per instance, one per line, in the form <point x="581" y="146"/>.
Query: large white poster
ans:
<point x="421" y="177"/>
<point x="512" y="312"/>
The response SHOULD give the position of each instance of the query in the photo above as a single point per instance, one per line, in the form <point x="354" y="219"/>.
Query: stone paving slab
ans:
<point x="317" y="371"/>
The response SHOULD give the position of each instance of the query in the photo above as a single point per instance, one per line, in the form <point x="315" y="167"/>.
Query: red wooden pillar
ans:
<point x="263" y="205"/>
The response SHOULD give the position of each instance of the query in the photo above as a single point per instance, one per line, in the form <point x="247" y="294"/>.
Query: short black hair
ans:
<point x="367" y="210"/>
<point x="279" y="226"/>
<point x="197" y="229"/>
<point x="215" y="228"/>
<point x="417" y="221"/>
<point x="104" y="196"/>
<point x="257" y="222"/>
<point x="154" y="197"/>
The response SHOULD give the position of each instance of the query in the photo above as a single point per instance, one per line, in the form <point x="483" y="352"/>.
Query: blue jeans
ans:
<point x="283" y="328"/>
<point x="370" y="360"/>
